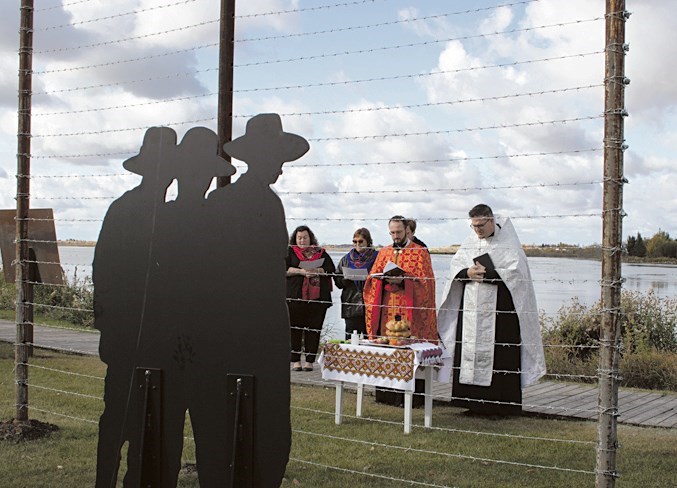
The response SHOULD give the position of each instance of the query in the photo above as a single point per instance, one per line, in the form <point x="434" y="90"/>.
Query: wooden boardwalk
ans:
<point x="559" y="399"/>
<point x="572" y="400"/>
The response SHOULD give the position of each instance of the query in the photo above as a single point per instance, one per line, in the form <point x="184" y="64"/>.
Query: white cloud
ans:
<point x="652" y="40"/>
<point x="360" y="109"/>
<point x="498" y="20"/>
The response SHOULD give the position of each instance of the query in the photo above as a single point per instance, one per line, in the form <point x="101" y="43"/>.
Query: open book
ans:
<point x="390" y="270"/>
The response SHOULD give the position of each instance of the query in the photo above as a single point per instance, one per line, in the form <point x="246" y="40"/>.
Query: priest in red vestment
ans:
<point x="411" y="295"/>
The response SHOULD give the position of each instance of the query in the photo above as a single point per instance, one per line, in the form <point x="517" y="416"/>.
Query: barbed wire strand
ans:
<point x="71" y="417"/>
<point x="61" y="5"/>
<point x="319" y="84"/>
<point x="450" y="429"/>
<point x="513" y="125"/>
<point x="444" y="454"/>
<point x="539" y="408"/>
<point x="359" y="192"/>
<point x="314" y="164"/>
<point x="301" y="300"/>
<point x="413" y="44"/>
<point x="276" y="37"/>
<point x="288" y="60"/>
<point x="554" y="91"/>
<point x="371" y="475"/>
<point x="114" y="16"/>
<point x="62" y="371"/>
<point x="65" y="392"/>
<point x="382" y="24"/>
<point x="126" y="39"/>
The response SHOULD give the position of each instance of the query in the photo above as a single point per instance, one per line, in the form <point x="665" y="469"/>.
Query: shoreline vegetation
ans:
<point x="659" y="249"/>
<point x="75" y="243"/>
<point x="593" y="252"/>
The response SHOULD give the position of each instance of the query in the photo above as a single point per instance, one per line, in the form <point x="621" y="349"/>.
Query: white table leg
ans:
<point x="360" y="392"/>
<point x="428" y="402"/>
<point x="407" y="411"/>
<point x="338" y="412"/>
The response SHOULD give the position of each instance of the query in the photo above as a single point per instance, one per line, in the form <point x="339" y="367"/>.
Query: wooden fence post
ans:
<point x="24" y="305"/>
<point x="612" y="241"/>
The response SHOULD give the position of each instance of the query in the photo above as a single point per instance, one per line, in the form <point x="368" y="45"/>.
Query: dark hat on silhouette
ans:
<point x="265" y="139"/>
<point x="203" y="144"/>
<point x="157" y="141"/>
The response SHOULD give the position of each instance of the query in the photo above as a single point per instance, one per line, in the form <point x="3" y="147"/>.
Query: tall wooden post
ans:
<point x="224" y="116"/>
<point x="612" y="239"/>
<point x="24" y="306"/>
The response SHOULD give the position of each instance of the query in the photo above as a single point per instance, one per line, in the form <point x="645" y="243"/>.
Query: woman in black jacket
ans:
<point x="360" y="257"/>
<point x="309" y="270"/>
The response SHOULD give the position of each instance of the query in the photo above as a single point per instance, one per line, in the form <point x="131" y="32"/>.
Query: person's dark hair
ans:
<point x="398" y="218"/>
<point x="301" y="228"/>
<point x="411" y="225"/>
<point x="364" y="232"/>
<point x="481" y="210"/>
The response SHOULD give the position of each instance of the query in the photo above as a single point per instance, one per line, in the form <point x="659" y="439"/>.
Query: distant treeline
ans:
<point x="76" y="243"/>
<point x="661" y="245"/>
<point x="562" y="250"/>
<point x="661" y="250"/>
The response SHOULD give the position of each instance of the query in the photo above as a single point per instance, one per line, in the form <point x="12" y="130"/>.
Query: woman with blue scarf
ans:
<point x="350" y="277"/>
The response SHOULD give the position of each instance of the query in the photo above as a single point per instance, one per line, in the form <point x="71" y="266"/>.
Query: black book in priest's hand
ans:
<point x="485" y="260"/>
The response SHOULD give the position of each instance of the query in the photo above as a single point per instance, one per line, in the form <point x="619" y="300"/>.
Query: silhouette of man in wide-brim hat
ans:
<point x="265" y="146"/>
<point x="157" y="144"/>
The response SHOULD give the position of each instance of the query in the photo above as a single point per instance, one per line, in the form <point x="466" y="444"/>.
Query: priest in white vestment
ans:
<point x="489" y="319"/>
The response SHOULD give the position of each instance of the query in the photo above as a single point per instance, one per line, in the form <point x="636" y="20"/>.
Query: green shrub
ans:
<point x="574" y="331"/>
<point x="561" y="366"/>
<point x="7" y="294"/>
<point x="652" y="369"/>
<point x="648" y="322"/>
<point x="648" y="341"/>
<point x="72" y="302"/>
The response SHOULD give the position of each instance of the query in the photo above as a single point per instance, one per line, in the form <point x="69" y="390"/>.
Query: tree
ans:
<point x="668" y="249"/>
<point x="654" y="246"/>
<point x="630" y="245"/>
<point x="639" y="249"/>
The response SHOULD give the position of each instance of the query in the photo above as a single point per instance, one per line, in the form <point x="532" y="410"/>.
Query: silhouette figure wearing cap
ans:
<point x="121" y="263"/>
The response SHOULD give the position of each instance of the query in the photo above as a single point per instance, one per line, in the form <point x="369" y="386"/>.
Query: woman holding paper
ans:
<point x="351" y="274"/>
<point x="309" y="270"/>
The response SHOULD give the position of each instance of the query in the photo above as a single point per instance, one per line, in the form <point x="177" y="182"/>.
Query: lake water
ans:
<point x="556" y="280"/>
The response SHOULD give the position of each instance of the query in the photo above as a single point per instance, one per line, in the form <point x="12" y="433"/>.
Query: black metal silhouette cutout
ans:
<point x="195" y="287"/>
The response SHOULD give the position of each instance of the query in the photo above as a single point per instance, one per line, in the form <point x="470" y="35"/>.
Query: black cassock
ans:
<point x="504" y="395"/>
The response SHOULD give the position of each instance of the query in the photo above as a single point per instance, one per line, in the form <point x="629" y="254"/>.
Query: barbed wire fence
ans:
<point x="76" y="128"/>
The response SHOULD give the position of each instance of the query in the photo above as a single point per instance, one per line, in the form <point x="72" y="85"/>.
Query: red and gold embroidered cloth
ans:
<point x="414" y="299"/>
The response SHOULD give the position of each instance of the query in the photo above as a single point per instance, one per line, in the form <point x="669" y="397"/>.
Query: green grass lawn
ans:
<point x="41" y="319"/>
<point x="460" y="451"/>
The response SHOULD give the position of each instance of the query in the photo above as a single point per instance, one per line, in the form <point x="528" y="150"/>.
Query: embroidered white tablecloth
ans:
<point x="387" y="367"/>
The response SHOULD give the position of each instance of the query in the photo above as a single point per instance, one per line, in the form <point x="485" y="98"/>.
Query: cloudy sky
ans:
<point x="421" y="108"/>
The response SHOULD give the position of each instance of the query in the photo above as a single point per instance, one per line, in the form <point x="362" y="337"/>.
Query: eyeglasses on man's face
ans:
<point x="479" y="226"/>
<point x="358" y="241"/>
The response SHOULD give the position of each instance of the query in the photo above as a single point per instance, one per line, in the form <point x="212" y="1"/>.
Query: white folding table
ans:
<point x="387" y="367"/>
